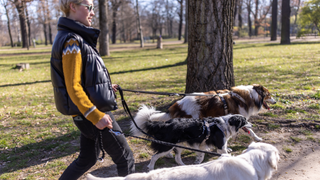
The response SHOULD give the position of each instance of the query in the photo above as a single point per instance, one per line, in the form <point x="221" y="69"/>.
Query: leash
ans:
<point x="127" y="110"/>
<point x="171" y="94"/>
<point x="117" y="133"/>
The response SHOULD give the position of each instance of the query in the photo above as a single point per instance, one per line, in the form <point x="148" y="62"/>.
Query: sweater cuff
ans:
<point x="95" y="116"/>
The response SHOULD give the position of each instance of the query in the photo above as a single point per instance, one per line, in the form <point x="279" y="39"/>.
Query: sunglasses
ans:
<point x="89" y="7"/>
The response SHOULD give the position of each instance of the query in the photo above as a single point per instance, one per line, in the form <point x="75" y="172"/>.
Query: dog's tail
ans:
<point x="141" y="118"/>
<point x="91" y="177"/>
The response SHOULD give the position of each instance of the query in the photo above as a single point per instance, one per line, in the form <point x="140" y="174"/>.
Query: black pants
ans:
<point x="116" y="146"/>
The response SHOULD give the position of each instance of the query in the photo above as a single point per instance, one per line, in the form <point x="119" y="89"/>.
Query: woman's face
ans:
<point x="82" y="12"/>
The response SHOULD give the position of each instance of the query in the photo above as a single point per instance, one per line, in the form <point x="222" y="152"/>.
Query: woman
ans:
<point x="82" y="88"/>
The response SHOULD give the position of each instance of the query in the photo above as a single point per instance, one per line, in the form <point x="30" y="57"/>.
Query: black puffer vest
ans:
<point x="95" y="77"/>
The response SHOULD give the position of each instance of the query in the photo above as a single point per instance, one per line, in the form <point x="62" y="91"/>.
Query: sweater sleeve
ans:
<point x="72" y="69"/>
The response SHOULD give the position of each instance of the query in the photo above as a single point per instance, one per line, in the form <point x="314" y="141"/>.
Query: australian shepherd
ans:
<point x="257" y="162"/>
<point x="203" y="134"/>
<point x="244" y="100"/>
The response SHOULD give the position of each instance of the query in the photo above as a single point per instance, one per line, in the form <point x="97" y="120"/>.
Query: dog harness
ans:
<point x="232" y="94"/>
<point x="219" y="127"/>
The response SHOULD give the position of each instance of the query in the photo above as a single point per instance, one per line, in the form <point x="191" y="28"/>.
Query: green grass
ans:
<point x="31" y="127"/>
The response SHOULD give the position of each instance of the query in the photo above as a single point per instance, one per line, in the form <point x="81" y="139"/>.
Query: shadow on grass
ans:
<point x="37" y="153"/>
<point x="119" y="72"/>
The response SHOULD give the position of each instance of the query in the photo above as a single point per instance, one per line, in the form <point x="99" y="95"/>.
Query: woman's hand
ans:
<point x="104" y="122"/>
<point x="115" y="87"/>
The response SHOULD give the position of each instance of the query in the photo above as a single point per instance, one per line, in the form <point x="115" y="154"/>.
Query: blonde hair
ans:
<point x="65" y="5"/>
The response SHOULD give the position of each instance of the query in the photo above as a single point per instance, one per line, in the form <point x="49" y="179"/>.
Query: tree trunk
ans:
<point x="186" y="24"/>
<point x="139" y="24"/>
<point x="23" y="28"/>
<point x="274" y="22"/>
<point x="210" y="63"/>
<point x="285" y="22"/>
<point x="239" y="17"/>
<point x="104" y="31"/>
<point x="49" y="23"/>
<point x="8" y="24"/>
<point x="180" y="19"/>
<point x="256" y="22"/>
<point x="249" y="19"/>
<point x="29" y="29"/>
<point x="114" y="26"/>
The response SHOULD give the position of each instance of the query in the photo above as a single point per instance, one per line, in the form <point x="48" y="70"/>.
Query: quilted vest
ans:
<point x="95" y="78"/>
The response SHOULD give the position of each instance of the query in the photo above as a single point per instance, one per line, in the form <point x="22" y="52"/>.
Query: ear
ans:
<point x="72" y="7"/>
<point x="273" y="160"/>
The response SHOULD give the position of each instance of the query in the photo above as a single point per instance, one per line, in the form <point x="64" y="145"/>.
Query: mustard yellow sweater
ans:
<point x="72" y="69"/>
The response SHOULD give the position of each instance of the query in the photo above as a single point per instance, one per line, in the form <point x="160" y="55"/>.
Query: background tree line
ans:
<point x="23" y="21"/>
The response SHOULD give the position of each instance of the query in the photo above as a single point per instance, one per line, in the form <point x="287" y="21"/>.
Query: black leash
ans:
<point x="170" y="94"/>
<point x="117" y="133"/>
<point x="127" y="110"/>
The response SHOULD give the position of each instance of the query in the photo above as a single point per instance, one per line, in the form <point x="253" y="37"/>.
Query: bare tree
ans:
<point x="4" y="3"/>
<point x="249" y="17"/>
<point x="285" y="22"/>
<point x="104" y="31"/>
<point x="48" y="22"/>
<point x="139" y="25"/>
<point x="115" y="6"/>
<point x="20" y="6"/>
<point x="186" y="24"/>
<point x="43" y="19"/>
<point x="180" y="14"/>
<point x="274" y="23"/>
<point x="240" y="2"/>
<point x="210" y="47"/>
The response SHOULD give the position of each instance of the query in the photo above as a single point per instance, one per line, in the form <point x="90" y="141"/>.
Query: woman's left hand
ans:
<point x="115" y="87"/>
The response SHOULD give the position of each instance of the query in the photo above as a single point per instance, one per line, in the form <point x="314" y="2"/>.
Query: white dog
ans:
<point x="255" y="163"/>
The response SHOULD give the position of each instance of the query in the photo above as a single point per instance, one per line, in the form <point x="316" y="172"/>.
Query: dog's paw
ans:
<point x="229" y="150"/>
<point x="169" y="155"/>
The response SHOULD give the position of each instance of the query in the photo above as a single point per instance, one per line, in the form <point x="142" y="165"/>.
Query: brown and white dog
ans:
<point x="245" y="100"/>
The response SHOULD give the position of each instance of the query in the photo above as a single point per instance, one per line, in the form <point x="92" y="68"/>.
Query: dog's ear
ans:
<point x="273" y="159"/>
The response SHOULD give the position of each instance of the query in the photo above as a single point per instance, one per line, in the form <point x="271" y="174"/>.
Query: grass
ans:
<point x="32" y="128"/>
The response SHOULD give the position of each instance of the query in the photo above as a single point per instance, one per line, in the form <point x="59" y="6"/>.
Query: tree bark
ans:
<point x="104" y="31"/>
<point x="274" y="23"/>
<point x="210" y="47"/>
<point x="285" y="19"/>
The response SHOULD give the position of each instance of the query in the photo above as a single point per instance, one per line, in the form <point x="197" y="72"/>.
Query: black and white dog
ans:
<point x="198" y="133"/>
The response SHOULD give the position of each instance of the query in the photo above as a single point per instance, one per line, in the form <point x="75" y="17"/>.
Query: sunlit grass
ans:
<point x="30" y="123"/>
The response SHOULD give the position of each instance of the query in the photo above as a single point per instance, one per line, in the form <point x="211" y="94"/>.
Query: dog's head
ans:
<point x="237" y="121"/>
<point x="264" y="95"/>
<point x="271" y="151"/>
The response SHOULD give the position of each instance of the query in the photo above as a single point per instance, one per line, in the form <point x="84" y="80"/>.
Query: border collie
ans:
<point x="201" y="134"/>
<point x="244" y="100"/>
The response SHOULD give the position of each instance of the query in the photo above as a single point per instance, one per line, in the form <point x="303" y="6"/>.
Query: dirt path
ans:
<point x="299" y="153"/>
